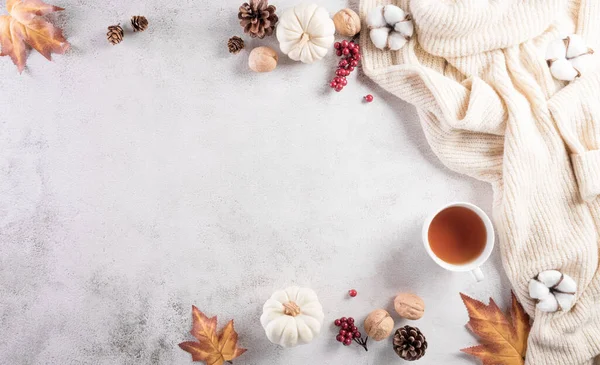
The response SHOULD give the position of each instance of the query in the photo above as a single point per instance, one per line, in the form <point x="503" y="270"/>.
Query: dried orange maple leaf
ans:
<point x="212" y="348"/>
<point x="504" y="341"/>
<point x="25" y="28"/>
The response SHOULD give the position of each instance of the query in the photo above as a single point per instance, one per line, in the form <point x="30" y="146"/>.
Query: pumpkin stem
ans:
<point x="291" y="309"/>
<point x="305" y="38"/>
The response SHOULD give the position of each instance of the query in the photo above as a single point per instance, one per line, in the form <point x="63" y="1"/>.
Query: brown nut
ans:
<point x="379" y="324"/>
<point x="409" y="306"/>
<point x="347" y="22"/>
<point x="262" y="59"/>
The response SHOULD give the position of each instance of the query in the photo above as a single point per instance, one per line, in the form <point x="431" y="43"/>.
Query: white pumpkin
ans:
<point x="305" y="32"/>
<point x="292" y="316"/>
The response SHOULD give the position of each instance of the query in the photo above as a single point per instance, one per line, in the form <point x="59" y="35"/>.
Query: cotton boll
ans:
<point x="582" y="63"/>
<point x="375" y="18"/>
<point x="537" y="290"/>
<point x="405" y="27"/>
<point x="562" y="69"/>
<point x="556" y="50"/>
<point x="577" y="46"/>
<point x="567" y="285"/>
<point x="396" y="41"/>
<point x="393" y="14"/>
<point x="379" y="37"/>
<point x="548" y="304"/>
<point x="565" y="301"/>
<point x="549" y="277"/>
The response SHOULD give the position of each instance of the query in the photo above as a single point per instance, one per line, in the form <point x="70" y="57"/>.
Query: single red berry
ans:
<point x="339" y="72"/>
<point x="352" y="293"/>
<point x="343" y="332"/>
<point x="369" y="98"/>
<point x="357" y="334"/>
<point x="353" y="328"/>
<point x="337" y="45"/>
<point x="337" y="322"/>
<point x="340" y="338"/>
<point x="333" y="84"/>
<point x="356" y="57"/>
<point x="344" y="324"/>
<point x="351" y="46"/>
<point x="355" y="51"/>
<point x="350" y="320"/>
<point x="343" y="319"/>
<point x="345" y="51"/>
<point x="353" y="63"/>
<point x="347" y="342"/>
<point x="344" y="82"/>
<point x="338" y="52"/>
<point x="338" y="89"/>
<point x="343" y="63"/>
<point x="344" y="43"/>
<point x="350" y="69"/>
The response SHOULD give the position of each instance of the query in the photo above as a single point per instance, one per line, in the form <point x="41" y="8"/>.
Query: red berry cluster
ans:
<point x="350" y="53"/>
<point x="349" y="332"/>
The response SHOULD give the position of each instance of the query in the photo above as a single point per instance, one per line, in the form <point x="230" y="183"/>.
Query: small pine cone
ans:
<point x="235" y="44"/>
<point x="409" y="343"/>
<point x="139" y="23"/>
<point x="258" y="18"/>
<point x="115" y="34"/>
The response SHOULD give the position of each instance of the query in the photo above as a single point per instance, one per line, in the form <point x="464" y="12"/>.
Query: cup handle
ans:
<point x="478" y="274"/>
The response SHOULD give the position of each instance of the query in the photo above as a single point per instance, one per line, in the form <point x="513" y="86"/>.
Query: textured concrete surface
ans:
<point x="140" y="179"/>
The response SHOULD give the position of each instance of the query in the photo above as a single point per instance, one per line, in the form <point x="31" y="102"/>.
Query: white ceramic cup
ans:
<point x="474" y="266"/>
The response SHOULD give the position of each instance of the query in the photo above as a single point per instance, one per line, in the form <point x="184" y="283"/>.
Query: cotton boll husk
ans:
<point x="379" y="37"/>
<point x="548" y="304"/>
<point x="375" y="18"/>
<point x="405" y="27"/>
<point x="562" y="69"/>
<point x="577" y="46"/>
<point x="393" y="14"/>
<point x="396" y="41"/>
<point x="538" y="290"/>
<point x="565" y="300"/>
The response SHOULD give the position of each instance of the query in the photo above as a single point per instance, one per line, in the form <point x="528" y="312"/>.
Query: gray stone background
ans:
<point x="139" y="179"/>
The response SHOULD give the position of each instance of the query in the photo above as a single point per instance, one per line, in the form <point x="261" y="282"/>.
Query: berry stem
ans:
<point x="362" y="342"/>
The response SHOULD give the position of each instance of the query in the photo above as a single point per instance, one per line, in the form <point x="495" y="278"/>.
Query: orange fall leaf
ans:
<point x="213" y="348"/>
<point x="503" y="340"/>
<point x="24" y="28"/>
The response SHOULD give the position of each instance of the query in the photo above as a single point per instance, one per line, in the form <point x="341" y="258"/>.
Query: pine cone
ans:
<point x="235" y="44"/>
<point x="258" y="18"/>
<point x="409" y="343"/>
<point x="115" y="34"/>
<point x="139" y="23"/>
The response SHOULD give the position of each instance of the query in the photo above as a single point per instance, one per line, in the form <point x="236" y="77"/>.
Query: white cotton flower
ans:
<point x="553" y="291"/>
<point x="389" y="27"/>
<point x="569" y="57"/>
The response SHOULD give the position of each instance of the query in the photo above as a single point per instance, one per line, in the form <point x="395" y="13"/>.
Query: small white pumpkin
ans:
<point x="292" y="316"/>
<point x="305" y="32"/>
<point x="569" y="57"/>
<point x="389" y="27"/>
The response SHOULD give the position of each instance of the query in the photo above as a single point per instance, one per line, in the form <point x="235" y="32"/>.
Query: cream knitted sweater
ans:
<point x="490" y="108"/>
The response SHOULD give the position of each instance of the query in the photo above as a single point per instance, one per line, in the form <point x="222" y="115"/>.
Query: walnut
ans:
<point x="262" y="59"/>
<point x="379" y="324"/>
<point x="347" y="22"/>
<point x="409" y="306"/>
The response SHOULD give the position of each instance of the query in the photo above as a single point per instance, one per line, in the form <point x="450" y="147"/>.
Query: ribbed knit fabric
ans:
<point x="490" y="109"/>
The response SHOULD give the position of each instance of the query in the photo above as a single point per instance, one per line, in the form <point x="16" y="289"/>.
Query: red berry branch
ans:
<point x="350" y="53"/>
<point x="349" y="332"/>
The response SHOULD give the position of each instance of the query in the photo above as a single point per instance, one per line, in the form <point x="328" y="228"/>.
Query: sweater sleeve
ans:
<point x="463" y="122"/>
<point x="576" y="109"/>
